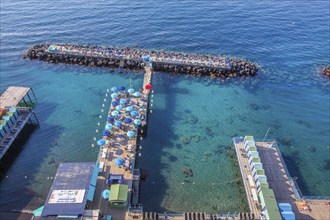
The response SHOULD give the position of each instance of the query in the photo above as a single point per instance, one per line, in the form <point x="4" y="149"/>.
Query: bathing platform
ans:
<point x="16" y="112"/>
<point x="270" y="189"/>
<point x="134" y="59"/>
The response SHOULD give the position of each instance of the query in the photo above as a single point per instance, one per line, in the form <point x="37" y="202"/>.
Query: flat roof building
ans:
<point x="70" y="191"/>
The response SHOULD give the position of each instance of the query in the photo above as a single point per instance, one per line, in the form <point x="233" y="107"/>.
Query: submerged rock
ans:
<point x="185" y="140"/>
<point x="187" y="172"/>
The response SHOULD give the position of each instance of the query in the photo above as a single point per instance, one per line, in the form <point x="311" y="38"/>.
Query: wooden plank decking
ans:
<point x="244" y="166"/>
<point x="13" y="95"/>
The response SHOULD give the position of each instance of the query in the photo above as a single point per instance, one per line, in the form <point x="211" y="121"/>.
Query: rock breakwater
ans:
<point x="136" y="59"/>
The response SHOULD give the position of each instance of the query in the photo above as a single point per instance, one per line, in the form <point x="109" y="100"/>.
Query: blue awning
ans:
<point x="91" y="192"/>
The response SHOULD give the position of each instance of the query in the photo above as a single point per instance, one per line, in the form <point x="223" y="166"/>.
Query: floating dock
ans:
<point x="16" y="111"/>
<point x="130" y="58"/>
<point x="271" y="192"/>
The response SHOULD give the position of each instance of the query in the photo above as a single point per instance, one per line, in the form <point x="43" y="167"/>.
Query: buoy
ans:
<point x="102" y="110"/>
<point x="93" y="145"/>
<point x="141" y="138"/>
<point x="104" y="100"/>
<point x="106" y="94"/>
<point x="100" y="116"/>
<point x="94" y="138"/>
<point x="98" y="123"/>
<point x="97" y="131"/>
<point x="140" y="147"/>
<point x="108" y="90"/>
<point x="140" y="154"/>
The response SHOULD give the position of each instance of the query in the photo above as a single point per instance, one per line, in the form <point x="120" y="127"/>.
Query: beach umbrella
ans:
<point x="118" y="52"/>
<point x="110" y="119"/>
<point x="114" y="95"/>
<point x="106" y="194"/>
<point x="114" y="89"/>
<point x="127" y="120"/>
<point x="121" y="88"/>
<point x="108" y="126"/>
<point x="115" y="113"/>
<point x="101" y="142"/>
<point x="118" y="123"/>
<point x="148" y="86"/>
<point x="137" y="122"/>
<point x="115" y="103"/>
<point x="106" y="133"/>
<point x="136" y="94"/>
<point x="131" y="90"/>
<point x="129" y="108"/>
<point x="119" y="107"/>
<point x="130" y="134"/>
<point x="119" y="161"/>
<point x="123" y="101"/>
<point x="134" y="113"/>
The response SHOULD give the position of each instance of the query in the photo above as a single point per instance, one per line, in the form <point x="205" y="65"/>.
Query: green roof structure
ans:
<point x="267" y="199"/>
<point x="118" y="193"/>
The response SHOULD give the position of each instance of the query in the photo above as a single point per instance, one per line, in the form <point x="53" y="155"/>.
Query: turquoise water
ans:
<point x="289" y="40"/>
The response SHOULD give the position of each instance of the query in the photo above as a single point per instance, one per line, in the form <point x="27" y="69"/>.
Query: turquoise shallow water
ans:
<point x="289" y="40"/>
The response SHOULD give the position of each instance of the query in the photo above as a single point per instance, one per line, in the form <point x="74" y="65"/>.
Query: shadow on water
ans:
<point x="157" y="145"/>
<point x="33" y="144"/>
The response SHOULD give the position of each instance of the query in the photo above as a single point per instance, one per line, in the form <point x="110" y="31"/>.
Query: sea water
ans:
<point x="193" y="120"/>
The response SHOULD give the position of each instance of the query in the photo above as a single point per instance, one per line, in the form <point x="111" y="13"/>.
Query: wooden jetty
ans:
<point x="285" y="188"/>
<point x="250" y="188"/>
<point x="117" y="147"/>
<point x="130" y="58"/>
<point x="20" y="99"/>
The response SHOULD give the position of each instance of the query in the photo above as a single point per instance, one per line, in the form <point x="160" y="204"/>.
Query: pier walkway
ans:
<point x="118" y="145"/>
<point x="244" y="166"/>
<point x="17" y="103"/>
<point x="283" y="186"/>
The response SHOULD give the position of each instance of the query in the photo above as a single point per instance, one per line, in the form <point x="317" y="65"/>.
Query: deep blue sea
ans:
<point x="288" y="39"/>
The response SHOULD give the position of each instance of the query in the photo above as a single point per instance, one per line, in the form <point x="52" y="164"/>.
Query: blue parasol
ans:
<point x="134" y="113"/>
<point x="108" y="126"/>
<point x="123" y="101"/>
<point x="137" y="94"/>
<point x="119" y="161"/>
<point x="106" y="194"/>
<point x="114" y="89"/>
<point x="118" y="123"/>
<point x="115" y="103"/>
<point x="130" y="90"/>
<point x="127" y="120"/>
<point x="129" y="108"/>
<point x="115" y="113"/>
<point x="110" y="119"/>
<point x="121" y="88"/>
<point x="106" y="133"/>
<point x="119" y="107"/>
<point x="130" y="134"/>
<point x="114" y="95"/>
<point x="137" y="122"/>
<point x="101" y="142"/>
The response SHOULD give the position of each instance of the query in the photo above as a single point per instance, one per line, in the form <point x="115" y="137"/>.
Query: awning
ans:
<point x="118" y="193"/>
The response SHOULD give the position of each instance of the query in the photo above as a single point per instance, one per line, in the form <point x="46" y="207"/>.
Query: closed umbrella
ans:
<point x="130" y="90"/>
<point x="106" y="133"/>
<point x="119" y="107"/>
<point x="115" y="113"/>
<point x="106" y="194"/>
<point x="123" y="101"/>
<point x="114" y="89"/>
<point x="118" y="123"/>
<point x="129" y="108"/>
<point x="130" y="134"/>
<point x="114" y="95"/>
<point x="137" y="122"/>
<point x="115" y="103"/>
<point x="134" y="113"/>
<point x="136" y="94"/>
<point x="108" y="126"/>
<point x="110" y="119"/>
<point x="101" y="142"/>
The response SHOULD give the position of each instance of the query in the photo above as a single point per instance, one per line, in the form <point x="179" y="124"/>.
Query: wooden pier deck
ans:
<point x="13" y="96"/>
<point x="116" y="148"/>
<point x="244" y="165"/>
<point x="281" y="183"/>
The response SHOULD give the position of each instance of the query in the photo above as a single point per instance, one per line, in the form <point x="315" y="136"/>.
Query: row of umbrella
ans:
<point x="119" y="123"/>
<point x="101" y="142"/>
<point x="115" y="94"/>
<point x="133" y="113"/>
